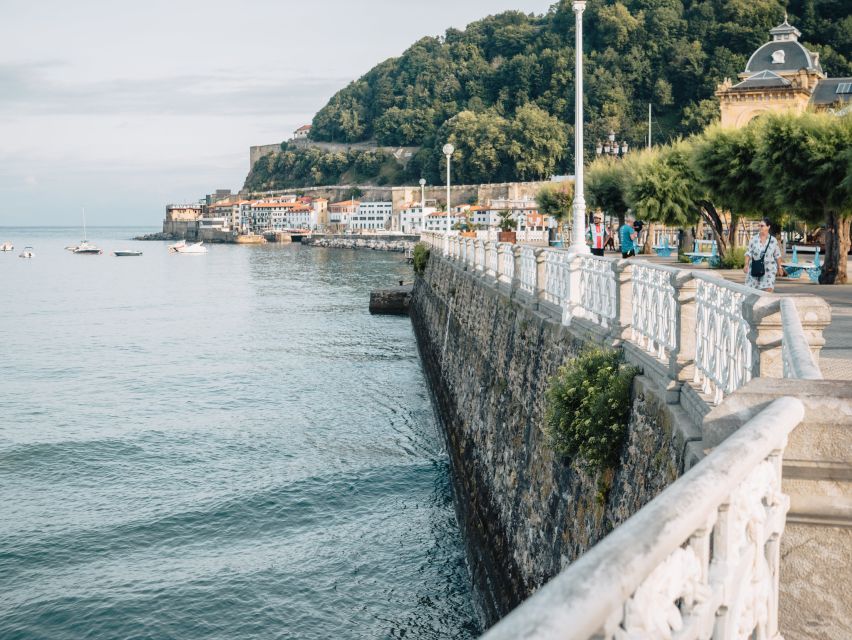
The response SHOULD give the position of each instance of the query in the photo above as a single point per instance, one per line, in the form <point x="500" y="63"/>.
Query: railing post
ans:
<point x="623" y="300"/>
<point x="541" y="275"/>
<point x="682" y="357"/>
<point x="763" y="315"/>
<point x="490" y="247"/>
<point x="516" y="257"/>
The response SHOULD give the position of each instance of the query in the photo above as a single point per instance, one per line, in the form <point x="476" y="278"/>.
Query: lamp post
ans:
<point x="422" y="204"/>
<point x="448" y="151"/>
<point x="611" y="147"/>
<point x="578" y="244"/>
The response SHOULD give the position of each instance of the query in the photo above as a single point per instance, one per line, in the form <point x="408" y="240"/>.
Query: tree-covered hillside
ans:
<point x="502" y="90"/>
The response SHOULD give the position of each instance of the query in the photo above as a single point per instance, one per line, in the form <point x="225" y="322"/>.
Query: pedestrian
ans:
<point x="597" y="235"/>
<point x="637" y="227"/>
<point x="762" y="259"/>
<point x="628" y="237"/>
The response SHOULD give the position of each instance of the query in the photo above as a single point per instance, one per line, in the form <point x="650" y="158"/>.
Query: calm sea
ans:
<point x="220" y="446"/>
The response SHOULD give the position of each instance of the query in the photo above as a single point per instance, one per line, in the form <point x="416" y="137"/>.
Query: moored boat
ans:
<point x="126" y="252"/>
<point x="27" y="253"/>
<point x="183" y="247"/>
<point x="7" y="246"/>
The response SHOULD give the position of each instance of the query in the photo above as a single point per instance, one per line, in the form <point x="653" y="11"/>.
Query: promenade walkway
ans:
<point x="835" y="359"/>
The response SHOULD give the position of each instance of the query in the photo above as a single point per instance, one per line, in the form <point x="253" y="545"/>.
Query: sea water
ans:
<point x="218" y="446"/>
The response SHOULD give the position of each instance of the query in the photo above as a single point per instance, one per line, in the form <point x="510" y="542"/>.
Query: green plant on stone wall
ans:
<point x="420" y="256"/>
<point x="588" y="407"/>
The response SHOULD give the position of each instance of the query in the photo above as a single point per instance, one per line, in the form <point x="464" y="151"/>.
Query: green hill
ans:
<point x="502" y="90"/>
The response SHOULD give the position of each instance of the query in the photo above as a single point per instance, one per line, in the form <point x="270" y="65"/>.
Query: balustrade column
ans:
<point x="541" y="283"/>
<point x="623" y="300"/>
<point x="516" y="257"/>
<point x="763" y="315"/>
<point x="682" y="358"/>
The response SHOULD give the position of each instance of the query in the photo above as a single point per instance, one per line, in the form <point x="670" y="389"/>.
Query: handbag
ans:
<point x="758" y="267"/>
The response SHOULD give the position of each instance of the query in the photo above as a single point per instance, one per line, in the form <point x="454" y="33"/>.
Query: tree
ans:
<point x="723" y="160"/>
<point x="805" y="163"/>
<point x="480" y="142"/>
<point x="555" y="200"/>
<point x="665" y="188"/>
<point x="536" y="142"/>
<point x="606" y="183"/>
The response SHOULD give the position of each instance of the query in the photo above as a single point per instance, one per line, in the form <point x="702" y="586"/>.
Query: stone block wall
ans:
<point x="526" y="511"/>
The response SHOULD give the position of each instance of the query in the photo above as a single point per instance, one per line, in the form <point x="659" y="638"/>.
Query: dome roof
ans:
<point x="781" y="56"/>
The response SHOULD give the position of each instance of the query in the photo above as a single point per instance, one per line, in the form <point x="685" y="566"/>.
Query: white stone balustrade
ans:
<point x="527" y="276"/>
<point x="692" y="327"/>
<point x="709" y="555"/>
<point x="479" y="252"/>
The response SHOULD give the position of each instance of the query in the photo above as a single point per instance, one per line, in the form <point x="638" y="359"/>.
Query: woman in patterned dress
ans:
<point x="772" y="260"/>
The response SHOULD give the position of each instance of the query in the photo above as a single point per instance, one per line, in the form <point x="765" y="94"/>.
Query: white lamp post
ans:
<point x="448" y="151"/>
<point x="422" y="205"/>
<point x="578" y="244"/>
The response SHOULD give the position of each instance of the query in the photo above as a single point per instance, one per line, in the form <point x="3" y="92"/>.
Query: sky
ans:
<point x="122" y="107"/>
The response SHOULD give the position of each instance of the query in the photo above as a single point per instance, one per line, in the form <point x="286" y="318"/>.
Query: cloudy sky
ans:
<point x="124" y="106"/>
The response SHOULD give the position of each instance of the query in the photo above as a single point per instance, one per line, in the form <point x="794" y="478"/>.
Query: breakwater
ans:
<point x="526" y="511"/>
<point x="397" y="243"/>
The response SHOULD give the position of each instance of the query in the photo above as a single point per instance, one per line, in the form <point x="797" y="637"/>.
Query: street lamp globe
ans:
<point x="422" y="182"/>
<point x="448" y="149"/>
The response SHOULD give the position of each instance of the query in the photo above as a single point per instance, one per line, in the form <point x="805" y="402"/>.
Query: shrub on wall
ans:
<point x="733" y="259"/>
<point x="588" y="407"/>
<point x="420" y="256"/>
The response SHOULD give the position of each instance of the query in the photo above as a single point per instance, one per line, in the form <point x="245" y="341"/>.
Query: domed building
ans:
<point x="782" y="75"/>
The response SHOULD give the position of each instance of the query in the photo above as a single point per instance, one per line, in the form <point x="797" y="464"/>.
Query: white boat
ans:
<point x="174" y="248"/>
<point x="126" y="252"/>
<point x="194" y="248"/>
<point x="85" y="247"/>
<point x="27" y="253"/>
<point x="7" y="246"/>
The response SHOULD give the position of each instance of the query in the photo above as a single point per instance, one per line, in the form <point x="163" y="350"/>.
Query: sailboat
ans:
<point x="85" y="247"/>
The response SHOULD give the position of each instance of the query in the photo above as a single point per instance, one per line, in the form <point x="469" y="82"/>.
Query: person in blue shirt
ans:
<point x="628" y="237"/>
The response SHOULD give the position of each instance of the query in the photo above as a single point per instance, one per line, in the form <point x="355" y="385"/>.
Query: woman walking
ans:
<point x="762" y="259"/>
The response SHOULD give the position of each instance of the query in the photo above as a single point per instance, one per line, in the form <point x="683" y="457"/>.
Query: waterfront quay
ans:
<point x="728" y="512"/>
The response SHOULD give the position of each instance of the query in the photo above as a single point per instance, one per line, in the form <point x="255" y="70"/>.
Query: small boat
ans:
<point x="27" y="253"/>
<point x="177" y="246"/>
<point x="7" y="246"/>
<point x="126" y="252"/>
<point x="194" y="248"/>
<point x="85" y="247"/>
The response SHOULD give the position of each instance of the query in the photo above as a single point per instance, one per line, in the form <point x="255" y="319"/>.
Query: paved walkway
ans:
<point x="835" y="359"/>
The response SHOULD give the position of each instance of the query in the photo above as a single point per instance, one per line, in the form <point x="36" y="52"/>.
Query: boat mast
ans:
<point x="84" y="224"/>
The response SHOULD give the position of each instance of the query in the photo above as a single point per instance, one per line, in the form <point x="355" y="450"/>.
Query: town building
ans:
<point x="781" y="75"/>
<point x="371" y="216"/>
<point x="302" y="132"/>
<point x="411" y="217"/>
<point x="339" y="214"/>
<point x="437" y="221"/>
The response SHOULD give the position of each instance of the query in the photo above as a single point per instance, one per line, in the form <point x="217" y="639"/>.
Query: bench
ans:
<point x="794" y="268"/>
<point x="663" y="250"/>
<point x="704" y="251"/>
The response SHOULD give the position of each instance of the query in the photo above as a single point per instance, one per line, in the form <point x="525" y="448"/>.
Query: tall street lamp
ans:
<point x="448" y="151"/>
<point x="422" y="204"/>
<point x="578" y="245"/>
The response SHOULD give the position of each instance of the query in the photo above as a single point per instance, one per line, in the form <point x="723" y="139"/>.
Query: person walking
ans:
<point x="597" y="235"/>
<point x="628" y="237"/>
<point x="762" y="259"/>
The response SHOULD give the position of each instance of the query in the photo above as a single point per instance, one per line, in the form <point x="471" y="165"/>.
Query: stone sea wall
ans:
<point x="526" y="511"/>
<point x="398" y="243"/>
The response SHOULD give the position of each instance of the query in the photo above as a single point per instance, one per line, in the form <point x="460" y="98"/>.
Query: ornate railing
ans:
<point x="724" y="358"/>
<point x="597" y="289"/>
<point x="654" y="322"/>
<point x="709" y="561"/>
<point x="527" y="273"/>
<point x="703" y="330"/>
